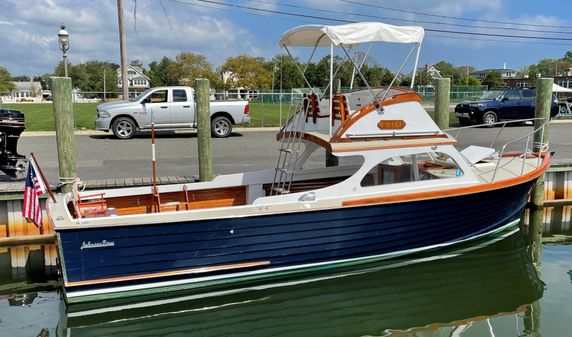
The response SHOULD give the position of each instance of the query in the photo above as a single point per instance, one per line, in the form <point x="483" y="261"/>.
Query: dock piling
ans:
<point x="442" y="101"/>
<point x="204" y="129"/>
<point x="64" y="124"/>
<point x="543" y="106"/>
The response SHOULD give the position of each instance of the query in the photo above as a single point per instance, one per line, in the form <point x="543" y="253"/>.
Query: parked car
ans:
<point x="501" y="104"/>
<point x="171" y="108"/>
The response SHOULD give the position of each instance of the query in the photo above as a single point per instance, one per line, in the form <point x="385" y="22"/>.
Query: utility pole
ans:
<point x="124" y="80"/>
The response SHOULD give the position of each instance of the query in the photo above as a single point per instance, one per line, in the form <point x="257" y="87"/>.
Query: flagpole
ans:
<point x="155" y="190"/>
<point x="43" y="177"/>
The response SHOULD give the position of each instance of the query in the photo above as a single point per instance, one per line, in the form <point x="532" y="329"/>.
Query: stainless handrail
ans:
<point x="503" y="123"/>
<point x="527" y="136"/>
<point x="529" y="147"/>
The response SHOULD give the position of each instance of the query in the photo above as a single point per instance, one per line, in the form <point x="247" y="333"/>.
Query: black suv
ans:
<point x="501" y="104"/>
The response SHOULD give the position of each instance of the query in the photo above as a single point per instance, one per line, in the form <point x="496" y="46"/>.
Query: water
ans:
<point x="505" y="286"/>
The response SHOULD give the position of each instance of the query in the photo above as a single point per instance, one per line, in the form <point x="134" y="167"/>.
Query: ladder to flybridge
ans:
<point x="290" y="147"/>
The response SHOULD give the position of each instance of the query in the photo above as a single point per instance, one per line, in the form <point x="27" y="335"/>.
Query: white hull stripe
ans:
<point x="110" y="290"/>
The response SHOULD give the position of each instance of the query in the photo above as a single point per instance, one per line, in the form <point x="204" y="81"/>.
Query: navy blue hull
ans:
<point x="284" y="240"/>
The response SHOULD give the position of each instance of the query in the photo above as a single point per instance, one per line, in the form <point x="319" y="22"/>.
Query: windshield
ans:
<point x="491" y="94"/>
<point x="140" y="96"/>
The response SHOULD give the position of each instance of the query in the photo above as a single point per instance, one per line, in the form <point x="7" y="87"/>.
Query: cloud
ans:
<point x="29" y="37"/>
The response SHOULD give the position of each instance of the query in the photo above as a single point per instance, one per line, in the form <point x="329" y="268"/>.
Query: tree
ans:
<point x="77" y="74"/>
<point x="5" y="81"/>
<point x="162" y="73"/>
<point x="95" y="72"/>
<point x="286" y="75"/>
<point x="137" y="63"/>
<point x="446" y="69"/>
<point x="473" y="80"/>
<point x="375" y="75"/>
<point x="88" y="76"/>
<point x="21" y="79"/>
<point x="568" y="56"/>
<point x="388" y="76"/>
<point x="463" y="77"/>
<point x="44" y="80"/>
<point x="189" y="66"/>
<point x="405" y="81"/>
<point x="493" y="79"/>
<point x="247" y="72"/>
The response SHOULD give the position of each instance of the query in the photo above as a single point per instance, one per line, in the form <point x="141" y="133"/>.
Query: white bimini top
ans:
<point x="351" y="34"/>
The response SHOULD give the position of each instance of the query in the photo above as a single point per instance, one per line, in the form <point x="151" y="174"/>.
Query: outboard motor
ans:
<point x="11" y="126"/>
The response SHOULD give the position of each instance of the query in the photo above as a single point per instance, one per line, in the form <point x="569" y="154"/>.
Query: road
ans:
<point x="100" y="156"/>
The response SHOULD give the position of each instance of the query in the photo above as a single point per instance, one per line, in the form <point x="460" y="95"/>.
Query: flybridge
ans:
<point x="364" y="113"/>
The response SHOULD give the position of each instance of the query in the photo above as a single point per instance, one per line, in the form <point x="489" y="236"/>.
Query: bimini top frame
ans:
<point x="349" y="36"/>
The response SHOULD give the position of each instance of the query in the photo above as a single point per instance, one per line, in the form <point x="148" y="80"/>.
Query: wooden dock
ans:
<point x="15" y="230"/>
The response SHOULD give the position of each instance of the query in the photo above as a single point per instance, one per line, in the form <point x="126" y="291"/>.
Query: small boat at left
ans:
<point x="402" y="186"/>
<point x="12" y="124"/>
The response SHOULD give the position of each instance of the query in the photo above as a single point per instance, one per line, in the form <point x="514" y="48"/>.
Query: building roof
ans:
<point x="138" y="70"/>
<point x="498" y="69"/>
<point x="27" y="85"/>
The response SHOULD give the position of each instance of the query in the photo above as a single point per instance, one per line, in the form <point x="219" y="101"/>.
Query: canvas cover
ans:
<point x="557" y="88"/>
<point x="351" y="34"/>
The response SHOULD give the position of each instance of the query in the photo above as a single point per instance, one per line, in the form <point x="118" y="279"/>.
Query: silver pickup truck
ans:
<point x="171" y="108"/>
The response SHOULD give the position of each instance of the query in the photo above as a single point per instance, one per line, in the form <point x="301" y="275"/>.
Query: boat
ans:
<point x="454" y="288"/>
<point x="401" y="186"/>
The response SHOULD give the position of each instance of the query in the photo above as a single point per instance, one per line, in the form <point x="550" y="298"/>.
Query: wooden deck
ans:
<point x="11" y="190"/>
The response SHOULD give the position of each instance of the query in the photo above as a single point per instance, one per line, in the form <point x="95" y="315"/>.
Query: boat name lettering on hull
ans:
<point x="101" y="244"/>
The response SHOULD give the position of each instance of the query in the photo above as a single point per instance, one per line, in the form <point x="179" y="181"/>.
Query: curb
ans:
<point x="103" y="133"/>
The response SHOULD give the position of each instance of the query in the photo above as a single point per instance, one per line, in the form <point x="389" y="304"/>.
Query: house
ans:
<point x="431" y="71"/>
<point x="563" y="80"/>
<point x="230" y="79"/>
<point x="504" y="72"/>
<point x="25" y="91"/>
<point x="138" y="81"/>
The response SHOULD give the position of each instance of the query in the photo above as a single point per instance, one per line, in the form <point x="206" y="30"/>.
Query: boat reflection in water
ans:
<point x="433" y="295"/>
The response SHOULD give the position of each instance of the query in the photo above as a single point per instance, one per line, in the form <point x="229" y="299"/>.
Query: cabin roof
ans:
<point x="366" y="144"/>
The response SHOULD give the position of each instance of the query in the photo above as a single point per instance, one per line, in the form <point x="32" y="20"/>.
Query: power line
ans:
<point x="451" y="17"/>
<point x="243" y="7"/>
<point x="499" y="40"/>
<point x="317" y="17"/>
<point x="170" y="26"/>
<point x="412" y="20"/>
<point x="224" y="9"/>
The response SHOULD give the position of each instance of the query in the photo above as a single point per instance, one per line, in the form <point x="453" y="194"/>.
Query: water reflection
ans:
<point x="555" y="224"/>
<point x="431" y="295"/>
<point x="27" y="268"/>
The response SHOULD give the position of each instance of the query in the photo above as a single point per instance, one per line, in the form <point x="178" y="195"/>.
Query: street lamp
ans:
<point x="64" y="40"/>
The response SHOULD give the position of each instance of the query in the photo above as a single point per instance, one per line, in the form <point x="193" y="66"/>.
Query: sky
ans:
<point x="157" y="28"/>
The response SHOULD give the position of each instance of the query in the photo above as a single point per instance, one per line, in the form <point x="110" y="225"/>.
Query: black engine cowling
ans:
<point x="12" y="124"/>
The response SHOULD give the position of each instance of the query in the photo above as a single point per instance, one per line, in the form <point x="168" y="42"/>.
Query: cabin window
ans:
<point x="416" y="167"/>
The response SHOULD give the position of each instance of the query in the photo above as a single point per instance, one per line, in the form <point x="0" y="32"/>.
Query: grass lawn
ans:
<point x="40" y="116"/>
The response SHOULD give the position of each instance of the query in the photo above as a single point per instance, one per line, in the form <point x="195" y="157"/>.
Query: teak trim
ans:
<point x="408" y="96"/>
<point x="168" y="273"/>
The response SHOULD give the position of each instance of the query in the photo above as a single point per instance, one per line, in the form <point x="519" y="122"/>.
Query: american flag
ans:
<point x="35" y="187"/>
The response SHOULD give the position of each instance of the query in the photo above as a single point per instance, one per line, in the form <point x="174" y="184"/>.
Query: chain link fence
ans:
<point x="267" y="109"/>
